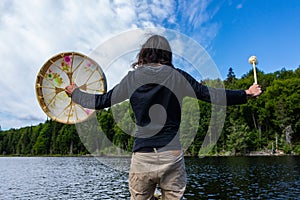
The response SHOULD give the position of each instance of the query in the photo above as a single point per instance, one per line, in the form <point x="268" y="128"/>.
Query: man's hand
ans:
<point x="70" y="88"/>
<point x="254" y="90"/>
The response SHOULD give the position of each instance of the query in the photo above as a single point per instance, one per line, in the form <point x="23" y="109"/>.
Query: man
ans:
<point x="155" y="90"/>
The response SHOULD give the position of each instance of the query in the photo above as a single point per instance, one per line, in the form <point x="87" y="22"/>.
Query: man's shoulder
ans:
<point x="183" y="73"/>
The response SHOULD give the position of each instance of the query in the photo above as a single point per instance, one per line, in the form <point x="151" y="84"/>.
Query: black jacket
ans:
<point x="155" y="95"/>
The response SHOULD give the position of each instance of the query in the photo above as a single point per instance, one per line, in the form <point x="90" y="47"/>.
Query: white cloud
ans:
<point x="196" y="19"/>
<point x="239" y="6"/>
<point x="32" y="31"/>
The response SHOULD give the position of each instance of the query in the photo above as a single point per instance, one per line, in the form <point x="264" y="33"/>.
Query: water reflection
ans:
<point x="208" y="178"/>
<point x="244" y="178"/>
<point x="60" y="178"/>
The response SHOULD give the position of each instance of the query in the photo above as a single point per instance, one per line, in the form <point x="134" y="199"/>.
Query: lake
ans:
<point x="106" y="178"/>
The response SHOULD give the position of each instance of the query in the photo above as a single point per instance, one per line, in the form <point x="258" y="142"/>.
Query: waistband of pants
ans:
<point x="156" y="150"/>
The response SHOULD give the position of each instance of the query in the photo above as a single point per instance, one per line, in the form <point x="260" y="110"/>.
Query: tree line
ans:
<point x="270" y="123"/>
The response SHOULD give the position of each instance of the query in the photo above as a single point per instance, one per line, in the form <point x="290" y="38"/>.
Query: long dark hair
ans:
<point x="156" y="50"/>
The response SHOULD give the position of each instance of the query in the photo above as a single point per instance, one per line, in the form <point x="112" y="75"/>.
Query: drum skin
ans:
<point x="60" y="71"/>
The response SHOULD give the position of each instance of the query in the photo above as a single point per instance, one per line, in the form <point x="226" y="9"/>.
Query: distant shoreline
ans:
<point x="251" y="154"/>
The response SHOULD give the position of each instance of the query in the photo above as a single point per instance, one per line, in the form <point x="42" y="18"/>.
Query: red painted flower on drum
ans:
<point x="68" y="60"/>
<point x="87" y="111"/>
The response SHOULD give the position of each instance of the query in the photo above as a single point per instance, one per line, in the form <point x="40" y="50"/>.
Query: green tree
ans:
<point x="238" y="138"/>
<point x="189" y="124"/>
<point x="24" y="141"/>
<point x="42" y="144"/>
<point x="107" y="123"/>
<point x="125" y="125"/>
<point x="231" y="78"/>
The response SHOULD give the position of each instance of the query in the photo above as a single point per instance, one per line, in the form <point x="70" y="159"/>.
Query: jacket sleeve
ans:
<point x="220" y="96"/>
<point x="99" y="101"/>
<point x="92" y="101"/>
<point x="217" y="96"/>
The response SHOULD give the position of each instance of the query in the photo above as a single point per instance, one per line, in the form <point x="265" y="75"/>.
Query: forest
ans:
<point x="269" y="124"/>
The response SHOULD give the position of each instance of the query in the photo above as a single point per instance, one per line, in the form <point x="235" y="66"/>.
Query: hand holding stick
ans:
<point x="252" y="60"/>
<point x="254" y="90"/>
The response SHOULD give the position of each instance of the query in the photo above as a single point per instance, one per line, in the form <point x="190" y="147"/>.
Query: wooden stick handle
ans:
<point x="254" y="71"/>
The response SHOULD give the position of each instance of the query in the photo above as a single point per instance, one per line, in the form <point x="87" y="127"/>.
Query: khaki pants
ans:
<point x="165" y="169"/>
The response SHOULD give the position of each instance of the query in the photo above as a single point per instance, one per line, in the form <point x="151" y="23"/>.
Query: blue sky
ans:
<point x="269" y="29"/>
<point x="32" y="31"/>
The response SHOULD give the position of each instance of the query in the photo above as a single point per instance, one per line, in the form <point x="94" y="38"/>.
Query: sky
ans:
<point x="32" y="31"/>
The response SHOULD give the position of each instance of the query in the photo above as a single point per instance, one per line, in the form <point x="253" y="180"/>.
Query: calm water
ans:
<point x="88" y="178"/>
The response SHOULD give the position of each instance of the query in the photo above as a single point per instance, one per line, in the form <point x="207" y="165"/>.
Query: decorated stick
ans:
<point x="252" y="60"/>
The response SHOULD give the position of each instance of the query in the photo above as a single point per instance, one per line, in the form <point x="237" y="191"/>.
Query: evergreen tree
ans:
<point x="230" y="76"/>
